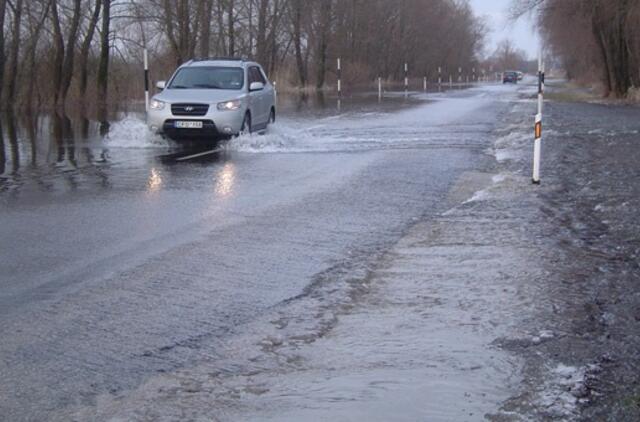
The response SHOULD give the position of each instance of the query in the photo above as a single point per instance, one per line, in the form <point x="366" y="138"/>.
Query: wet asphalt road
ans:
<point x="119" y="262"/>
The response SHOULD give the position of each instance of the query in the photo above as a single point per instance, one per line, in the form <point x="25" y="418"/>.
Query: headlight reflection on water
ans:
<point x="225" y="179"/>
<point x="154" y="183"/>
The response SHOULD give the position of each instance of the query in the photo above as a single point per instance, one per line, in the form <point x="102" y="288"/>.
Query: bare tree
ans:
<point x="231" y="34"/>
<point x="324" y="27"/>
<point x="86" y="46"/>
<point x="296" y="19"/>
<point x="205" y="10"/>
<point x="36" y="23"/>
<point x="103" y="66"/>
<point x="66" y="72"/>
<point x="15" y="48"/>
<point x="3" y="9"/>
<point x="607" y="44"/>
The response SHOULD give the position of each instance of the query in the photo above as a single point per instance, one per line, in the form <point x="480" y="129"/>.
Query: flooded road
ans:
<point x="302" y="274"/>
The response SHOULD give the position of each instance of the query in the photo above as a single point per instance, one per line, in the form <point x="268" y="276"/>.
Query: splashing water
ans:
<point x="133" y="133"/>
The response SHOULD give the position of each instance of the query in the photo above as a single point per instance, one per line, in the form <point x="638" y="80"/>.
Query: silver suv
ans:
<point x="213" y="98"/>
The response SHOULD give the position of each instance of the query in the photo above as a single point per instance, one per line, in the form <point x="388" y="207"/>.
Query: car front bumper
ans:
<point x="215" y="122"/>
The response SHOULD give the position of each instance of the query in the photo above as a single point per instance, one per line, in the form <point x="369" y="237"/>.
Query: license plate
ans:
<point x="188" y="125"/>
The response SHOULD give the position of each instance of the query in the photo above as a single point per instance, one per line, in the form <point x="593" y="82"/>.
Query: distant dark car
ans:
<point x="510" y="77"/>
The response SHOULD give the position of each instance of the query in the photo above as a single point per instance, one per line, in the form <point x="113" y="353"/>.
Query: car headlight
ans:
<point x="156" y="105"/>
<point x="229" y="105"/>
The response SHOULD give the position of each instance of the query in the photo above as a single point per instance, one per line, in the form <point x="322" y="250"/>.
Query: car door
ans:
<point x="257" y="97"/>
<point x="269" y="93"/>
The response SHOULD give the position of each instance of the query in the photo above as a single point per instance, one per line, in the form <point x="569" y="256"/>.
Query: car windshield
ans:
<point x="208" y="77"/>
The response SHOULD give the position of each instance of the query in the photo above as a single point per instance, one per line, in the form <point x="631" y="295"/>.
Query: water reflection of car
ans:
<point x="213" y="98"/>
<point x="510" y="77"/>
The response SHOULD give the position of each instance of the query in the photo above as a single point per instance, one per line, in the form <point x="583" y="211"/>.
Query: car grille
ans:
<point x="189" y="109"/>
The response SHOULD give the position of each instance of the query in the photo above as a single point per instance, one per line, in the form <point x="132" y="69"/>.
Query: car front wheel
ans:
<point x="246" y="125"/>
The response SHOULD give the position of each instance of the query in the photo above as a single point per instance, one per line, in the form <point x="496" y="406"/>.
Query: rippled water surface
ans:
<point x="315" y="271"/>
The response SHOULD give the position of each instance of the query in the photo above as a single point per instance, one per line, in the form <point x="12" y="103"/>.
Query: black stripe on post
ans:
<point x="540" y="81"/>
<point x="146" y="80"/>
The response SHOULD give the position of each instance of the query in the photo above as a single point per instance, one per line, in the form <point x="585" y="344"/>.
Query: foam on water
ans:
<point x="277" y="138"/>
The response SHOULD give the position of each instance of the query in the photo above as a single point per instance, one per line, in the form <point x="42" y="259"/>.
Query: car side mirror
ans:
<point x="161" y="84"/>
<point x="256" y="86"/>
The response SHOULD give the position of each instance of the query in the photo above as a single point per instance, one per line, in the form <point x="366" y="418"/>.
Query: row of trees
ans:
<point x="595" y="39"/>
<point x="507" y="56"/>
<point x="45" y="45"/>
<point x="61" y="52"/>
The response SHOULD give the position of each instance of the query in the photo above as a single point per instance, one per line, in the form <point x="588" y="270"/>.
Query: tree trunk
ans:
<point x="261" y="39"/>
<point x="183" y="29"/>
<point x="13" y="59"/>
<point x="325" y="23"/>
<point x="58" y="56"/>
<point x="169" y="25"/>
<point x="67" y="64"/>
<point x="231" y="30"/>
<point x="221" y="45"/>
<point x="297" y="41"/>
<point x="272" y="38"/>
<point x="3" y="9"/>
<point x="31" y="56"/>
<point x="205" y="27"/>
<point x="86" y="45"/>
<point x="103" y="66"/>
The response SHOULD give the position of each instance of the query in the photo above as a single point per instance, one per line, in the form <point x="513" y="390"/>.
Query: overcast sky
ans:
<point x="496" y="14"/>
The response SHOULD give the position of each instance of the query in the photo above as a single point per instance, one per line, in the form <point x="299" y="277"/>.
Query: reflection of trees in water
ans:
<point x="103" y="118"/>
<point x="43" y="139"/>
<point x="13" y="141"/>
<point x="29" y="121"/>
<point x="3" y="158"/>
<point x="63" y="137"/>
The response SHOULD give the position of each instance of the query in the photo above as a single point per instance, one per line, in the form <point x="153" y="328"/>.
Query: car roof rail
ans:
<point x="221" y="58"/>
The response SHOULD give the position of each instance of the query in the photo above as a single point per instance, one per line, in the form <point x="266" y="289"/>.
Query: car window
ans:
<point x="263" y="76"/>
<point x="208" y="77"/>
<point x="255" y="75"/>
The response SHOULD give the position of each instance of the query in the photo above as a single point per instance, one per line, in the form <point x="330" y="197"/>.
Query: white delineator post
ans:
<point x="537" y="143"/>
<point x="439" y="77"/>
<point x="379" y="88"/>
<point x="406" y="78"/>
<point x="146" y="79"/>
<point x="339" y="79"/>
<point x="424" y="84"/>
<point x="275" y="93"/>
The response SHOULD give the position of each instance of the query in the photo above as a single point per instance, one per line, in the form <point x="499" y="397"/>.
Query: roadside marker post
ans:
<point x="424" y="84"/>
<point x="459" y="75"/>
<point x="339" y="79"/>
<point x="439" y="78"/>
<point x="146" y="79"/>
<point x="275" y="93"/>
<point x="450" y="81"/>
<point x="537" y="143"/>
<point x="474" y="74"/>
<point x="406" y="79"/>
<point x="379" y="88"/>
